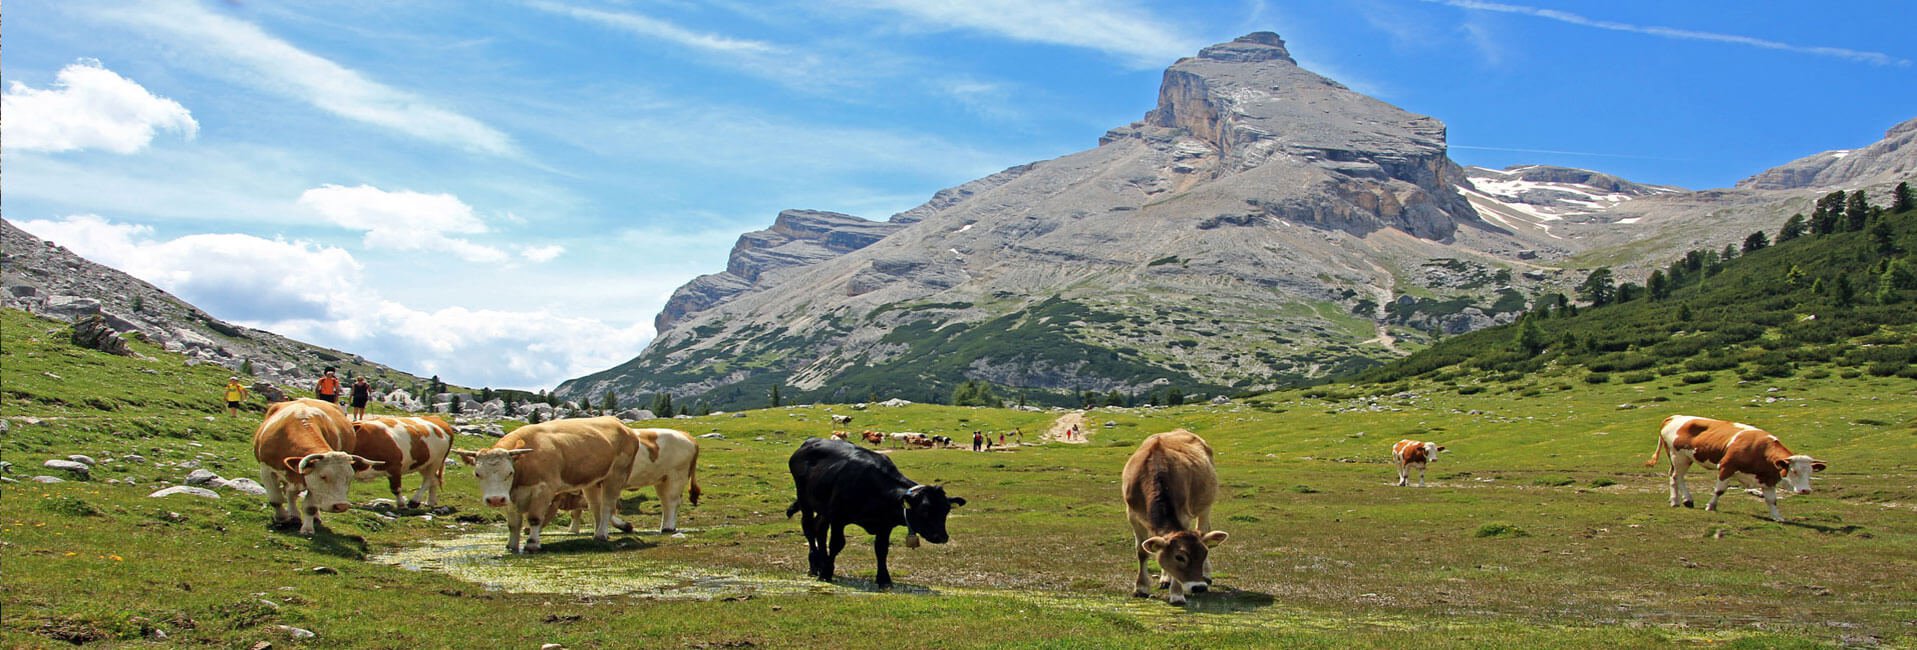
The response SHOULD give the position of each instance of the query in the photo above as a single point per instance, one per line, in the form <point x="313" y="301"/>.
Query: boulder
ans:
<point x="91" y="331"/>
<point x="77" y="469"/>
<point x="246" y="485"/>
<point x="202" y="477"/>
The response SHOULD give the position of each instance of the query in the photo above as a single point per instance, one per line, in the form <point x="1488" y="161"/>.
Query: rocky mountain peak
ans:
<point x="1889" y="160"/>
<point x="1250" y="48"/>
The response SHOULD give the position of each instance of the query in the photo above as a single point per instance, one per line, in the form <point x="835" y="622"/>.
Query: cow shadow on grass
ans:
<point x="1845" y="529"/>
<point x="586" y="544"/>
<point x="1222" y="600"/>
<point x="324" y="540"/>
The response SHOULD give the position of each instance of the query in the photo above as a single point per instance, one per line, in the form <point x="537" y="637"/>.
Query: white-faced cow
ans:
<point x="302" y="447"/>
<point x="1735" y="450"/>
<point x="524" y="470"/>
<point x="406" y="445"/>
<point x="1411" y="453"/>
<point x="1169" y="486"/>
<point x="839" y="484"/>
<point x="842" y="420"/>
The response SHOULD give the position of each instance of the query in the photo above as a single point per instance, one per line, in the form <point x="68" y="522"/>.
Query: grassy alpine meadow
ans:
<point x="1539" y="527"/>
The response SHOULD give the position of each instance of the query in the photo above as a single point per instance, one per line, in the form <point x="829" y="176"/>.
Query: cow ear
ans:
<point x="1782" y="464"/>
<point x="958" y="501"/>
<point x="1214" y="538"/>
<point x="1153" y="545"/>
<point x="467" y="456"/>
<point x="1440" y="447"/>
<point x="308" y="460"/>
<point x="1818" y="465"/>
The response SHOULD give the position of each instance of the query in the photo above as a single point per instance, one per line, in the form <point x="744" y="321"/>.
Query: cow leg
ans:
<point x="394" y="483"/>
<point x="1404" y="474"/>
<point x="276" y="493"/>
<point x="1421" y="467"/>
<point x="814" y="528"/>
<point x="834" y="544"/>
<point x="670" y="492"/>
<point x="1680" y="492"/>
<point x="1204" y="526"/>
<point x="513" y="522"/>
<point x="608" y="495"/>
<point x="882" y="543"/>
<point x="1143" y="587"/>
<point x="309" y="513"/>
<point x="1770" y="499"/>
<point x="1723" y="483"/>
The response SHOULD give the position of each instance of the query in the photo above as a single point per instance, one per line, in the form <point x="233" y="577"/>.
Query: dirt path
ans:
<point x="1382" y="317"/>
<point x="1065" y="423"/>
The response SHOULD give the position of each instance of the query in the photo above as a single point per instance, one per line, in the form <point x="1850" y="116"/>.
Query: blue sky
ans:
<point x="505" y="193"/>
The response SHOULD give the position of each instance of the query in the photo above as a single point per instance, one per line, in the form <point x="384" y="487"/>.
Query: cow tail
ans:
<point x="692" y="477"/>
<point x="1655" y="452"/>
<point x="792" y="509"/>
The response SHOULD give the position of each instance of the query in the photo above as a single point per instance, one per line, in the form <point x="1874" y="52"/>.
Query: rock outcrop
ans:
<point x="1889" y="160"/>
<point x="797" y="238"/>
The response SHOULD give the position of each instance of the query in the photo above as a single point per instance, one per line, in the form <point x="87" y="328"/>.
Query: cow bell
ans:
<point x="911" y="540"/>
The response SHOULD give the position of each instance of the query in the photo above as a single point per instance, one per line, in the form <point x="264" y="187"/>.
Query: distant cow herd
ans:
<point x="309" y="455"/>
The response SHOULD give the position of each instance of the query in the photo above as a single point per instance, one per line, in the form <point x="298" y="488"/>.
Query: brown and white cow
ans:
<point x="1169" y="486"/>
<point x="524" y="470"/>
<point x="1411" y="453"/>
<point x="873" y="438"/>
<point x="841" y="435"/>
<point x="841" y="420"/>
<point x="668" y="463"/>
<point x="302" y="447"/>
<point x="406" y="445"/>
<point x="1734" y="449"/>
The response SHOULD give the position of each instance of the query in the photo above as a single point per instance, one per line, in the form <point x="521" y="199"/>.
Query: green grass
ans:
<point x="1324" y="550"/>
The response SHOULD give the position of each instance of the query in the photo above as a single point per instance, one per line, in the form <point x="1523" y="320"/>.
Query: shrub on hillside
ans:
<point x="1597" y="378"/>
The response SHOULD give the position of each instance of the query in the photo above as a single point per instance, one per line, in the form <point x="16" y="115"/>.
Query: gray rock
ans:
<point x="91" y="331"/>
<point x="84" y="460"/>
<point x="48" y="479"/>
<point x="79" y="470"/>
<point x="245" y="485"/>
<point x="713" y="436"/>
<point x="187" y="490"/>
<point x="133" y="458"/>
<point x="201" y="477"/>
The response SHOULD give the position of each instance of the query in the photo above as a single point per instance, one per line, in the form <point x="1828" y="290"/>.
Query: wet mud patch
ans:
<point x="584" y="567"/>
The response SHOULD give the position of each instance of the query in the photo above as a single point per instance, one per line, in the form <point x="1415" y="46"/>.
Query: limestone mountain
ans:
<point x="1262" y="224"/>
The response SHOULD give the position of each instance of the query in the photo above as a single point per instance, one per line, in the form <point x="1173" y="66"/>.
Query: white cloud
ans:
<point x="319" y="294"/>
<point x="89" y="107"/>
<point x="649" y="27"/>
<point x="1115" y="28"/>
<point x="248" y="54"/>
<point x="545" y="253"/>
<point x="1875" y="58"/>
<point x="403" y="220"/>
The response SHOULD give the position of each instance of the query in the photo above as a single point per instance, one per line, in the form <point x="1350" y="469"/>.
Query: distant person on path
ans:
<point x="1001" y="438"/>
<point x="1018" y="437"/>
<point x="362" y="391"/>
<point x="235" y="393"/>
<point x="328" y="388"/>
<point x="978" y="440"/>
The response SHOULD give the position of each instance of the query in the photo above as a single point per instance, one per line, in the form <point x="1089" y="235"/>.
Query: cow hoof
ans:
<point x="668" y="531"/>
<point x="1688" y="504"/>
<point x="412" y="504"/>
<point x="625" y="528"/>
<point x="1141" y="593"/>
<point x="1199" y="588"/>
<point x="1175" y="600"/>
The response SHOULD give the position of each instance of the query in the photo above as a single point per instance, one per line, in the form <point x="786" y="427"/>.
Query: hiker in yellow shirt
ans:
<point x="235" y="393"/>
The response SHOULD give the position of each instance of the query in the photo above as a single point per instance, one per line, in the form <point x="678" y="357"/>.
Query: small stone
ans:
<point x="83" y="460"/>
<point x="201" y="477"/>
<point x="48" y="479"/>
<point x="552" y="646"/>
<point x="183" y="489"/>
<point x="325" y="570"/>
<point x="134" y="458"/>
<point x="263" y="645"/>
<point x="714" y="436"/>
<point x="294" y="632"/>
<point x="384" y="505"/>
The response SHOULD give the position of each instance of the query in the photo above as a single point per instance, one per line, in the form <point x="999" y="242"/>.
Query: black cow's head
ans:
<point x="925" y="509"/>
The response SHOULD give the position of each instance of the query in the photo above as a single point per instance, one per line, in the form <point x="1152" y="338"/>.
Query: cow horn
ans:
<point x="308" y="460"/>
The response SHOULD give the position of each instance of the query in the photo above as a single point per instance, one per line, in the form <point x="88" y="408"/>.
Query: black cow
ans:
<point x="839" y="483"/>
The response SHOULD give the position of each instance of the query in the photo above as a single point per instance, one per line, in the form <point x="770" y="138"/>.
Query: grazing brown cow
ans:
<point x="406" y="445"/>
<point x="841" y="435"/>
<point x="1169" y="486"/>
<point x="874" y="438"/>
<point x="671" y="467"/>
<point x="1411" y="453"/>
<point x="523" y="471"/>
<point x="1734" y="449"/>
<point x="303" y="446"/>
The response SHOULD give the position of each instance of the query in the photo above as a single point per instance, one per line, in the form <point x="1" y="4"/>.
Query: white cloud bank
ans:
<point x="403" y="220"/>
<point x="89" y="107"/>
<point x="1116" y="28"/>
<point x="318" y="294"/>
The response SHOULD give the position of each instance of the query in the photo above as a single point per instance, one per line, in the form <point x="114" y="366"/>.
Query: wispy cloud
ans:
<point x="90" y="107"/>
<point x="650" y="27"/>
<point x="1119" y="29"/>
<point x="1875" y="58"/>
<point x="249" y="55"/>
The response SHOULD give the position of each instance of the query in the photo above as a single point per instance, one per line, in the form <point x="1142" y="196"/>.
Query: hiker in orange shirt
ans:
<point x="328" y="388"/>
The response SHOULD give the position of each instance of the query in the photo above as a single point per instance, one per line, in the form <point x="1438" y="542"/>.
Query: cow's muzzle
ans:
<point x="1801" y="491"/>
<point x="341" y="507"/>
<point x="496" y="502"/>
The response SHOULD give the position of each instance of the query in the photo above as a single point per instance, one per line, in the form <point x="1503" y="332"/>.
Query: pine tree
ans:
<point x="246" y="367"/>
<point x="1629" y="291"/>
<point x="775" y="396"/>
<point x="1658" y="286"/>
<point x="1756" y="242"/>
<point x="453" y="407"/>
<point x="1729" y="253"/>
<point x="1846" y="295"/>
<point x="1793" y="228"/>
<point x="611" y="401"/>
<point x="534" y="417"/>
<point x="662" y="404"/>
<point x="1174" y="397"/>
<point x="1901" y="199"/>
<point x="1856" y="211"/>
<point x="1884" y="236"/>
<point x="585" y="404"/>
<point x="1599" y="288"/>
<point x="485" y="394"/>
<point x="1794" y="275"/>
<point x="1530" y="338"/>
